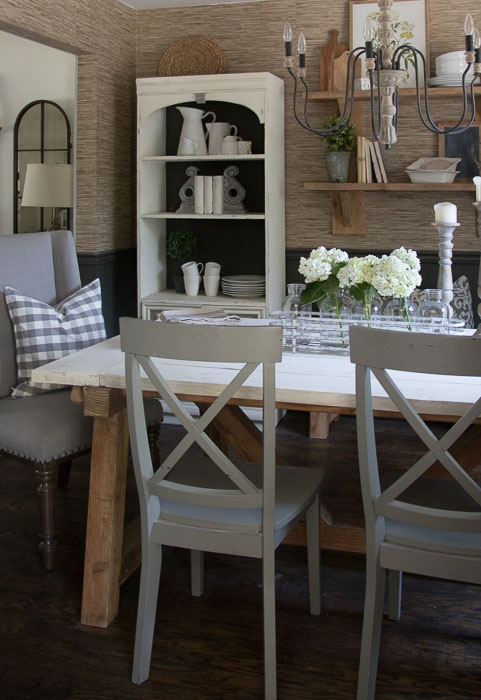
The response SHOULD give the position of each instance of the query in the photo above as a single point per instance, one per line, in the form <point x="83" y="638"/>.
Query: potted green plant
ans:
<point x="339" y="146"/>
<point x="181" y="247"/>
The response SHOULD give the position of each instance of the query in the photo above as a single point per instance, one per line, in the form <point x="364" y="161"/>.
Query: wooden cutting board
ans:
<point x="329" y="53"/>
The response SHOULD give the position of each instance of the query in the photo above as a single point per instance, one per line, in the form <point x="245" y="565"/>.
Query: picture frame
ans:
<point x="414" y="12"/>
<point x="462" y="146"/>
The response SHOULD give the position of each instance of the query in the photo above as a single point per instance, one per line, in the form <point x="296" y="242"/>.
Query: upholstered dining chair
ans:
<point x="46" y="429"/>
<point x="415" y="523"/>
<point x="204" y="502"/>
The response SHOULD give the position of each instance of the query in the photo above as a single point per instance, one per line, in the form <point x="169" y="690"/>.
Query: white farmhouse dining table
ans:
<point x="313" y="383"/>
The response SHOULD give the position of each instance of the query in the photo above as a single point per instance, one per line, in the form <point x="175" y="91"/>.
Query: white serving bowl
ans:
<point x="432" y="175"/>
<point x="451" y="55"/>
<point x="452" y="68"/>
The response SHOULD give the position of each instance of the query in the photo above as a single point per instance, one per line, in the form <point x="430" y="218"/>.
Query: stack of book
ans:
<point x="370" y="161"/>
<point x="209" y="194"/>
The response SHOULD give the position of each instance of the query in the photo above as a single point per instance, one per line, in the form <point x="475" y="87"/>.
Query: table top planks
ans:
<point x="303" y="382"/>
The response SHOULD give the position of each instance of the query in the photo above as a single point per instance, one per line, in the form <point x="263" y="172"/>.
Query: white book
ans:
<point x="199" y="194"/>
<point x="207" y="194"/>
<point x="218" y="194"/>
<point x="368" y="161"/>
<point x="375" y="162"/>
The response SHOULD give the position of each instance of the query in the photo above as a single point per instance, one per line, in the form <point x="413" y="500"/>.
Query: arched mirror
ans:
<point x="41" y="135"/>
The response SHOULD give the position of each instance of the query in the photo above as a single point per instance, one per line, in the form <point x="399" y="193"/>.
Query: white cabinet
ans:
<point x="243" y="243"/>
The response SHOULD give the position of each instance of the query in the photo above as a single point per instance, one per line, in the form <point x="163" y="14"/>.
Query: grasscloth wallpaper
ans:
<point x="102" y="34"/>
<point x="251" y="36"/>
<point x="115" y="45"/>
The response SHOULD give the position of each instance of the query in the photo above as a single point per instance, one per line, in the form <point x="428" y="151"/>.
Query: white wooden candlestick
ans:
<point x="445" y="274"/>
<point x="477" y="206"/>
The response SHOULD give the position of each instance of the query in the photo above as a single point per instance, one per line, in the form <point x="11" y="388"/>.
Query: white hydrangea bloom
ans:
<point x="394" y="277"/>
<point x="357" y="271"/>
<point x="314" y="270"/>
<point x="318" y="266"/>
<point x="409" y="257"/>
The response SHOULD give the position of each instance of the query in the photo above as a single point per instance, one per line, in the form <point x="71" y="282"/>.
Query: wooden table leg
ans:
<point x="319" y="424"/>
<point x="105" y="520"/>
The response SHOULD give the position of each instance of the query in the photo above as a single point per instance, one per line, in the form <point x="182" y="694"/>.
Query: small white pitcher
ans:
<point x="217" y="131"/>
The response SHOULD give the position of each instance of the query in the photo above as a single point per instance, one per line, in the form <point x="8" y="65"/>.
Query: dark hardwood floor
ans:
<point x="211" y="648"/>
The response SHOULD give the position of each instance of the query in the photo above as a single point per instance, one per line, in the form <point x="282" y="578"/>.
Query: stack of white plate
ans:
<point x="449" y="70"/>
<point x="244" y="285"/>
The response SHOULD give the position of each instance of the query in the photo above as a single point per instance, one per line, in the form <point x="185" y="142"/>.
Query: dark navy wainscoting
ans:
<point x="117" y="271"/>
<point x="464" y="263"/>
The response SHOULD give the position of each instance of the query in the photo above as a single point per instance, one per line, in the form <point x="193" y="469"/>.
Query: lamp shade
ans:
<point x="48" y="185"/>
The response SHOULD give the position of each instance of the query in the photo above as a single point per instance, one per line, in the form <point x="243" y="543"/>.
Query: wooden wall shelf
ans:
<point x="390" y="186"/>
<point x="348" y="206"/>
<point x="408" y="93"/>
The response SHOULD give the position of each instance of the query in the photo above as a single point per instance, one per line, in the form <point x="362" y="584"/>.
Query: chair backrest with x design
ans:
<point x="249" y="346"/>
<point x="377" y="351"/>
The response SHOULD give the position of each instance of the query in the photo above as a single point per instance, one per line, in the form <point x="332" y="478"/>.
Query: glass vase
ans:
<point x="368" y="310"/>
<point x="433" y="313"/>
<point x="402" y="309"/>
<point x="296" y="317"/>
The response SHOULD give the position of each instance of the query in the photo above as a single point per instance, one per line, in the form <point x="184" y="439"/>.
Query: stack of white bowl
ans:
<point x="449" y="70"/>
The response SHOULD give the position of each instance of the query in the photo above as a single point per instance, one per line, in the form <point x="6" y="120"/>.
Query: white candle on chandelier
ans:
<point x="301" y="48"/>
<point x="477" y="184"/>
<point x="445" y="213"/>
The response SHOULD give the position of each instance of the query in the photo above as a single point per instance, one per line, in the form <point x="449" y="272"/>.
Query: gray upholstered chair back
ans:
<point x="41" y="265"/>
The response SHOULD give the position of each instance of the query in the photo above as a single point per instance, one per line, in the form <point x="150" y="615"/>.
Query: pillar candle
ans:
<point x="445" y="213"/>
<point x="477" y="184"/>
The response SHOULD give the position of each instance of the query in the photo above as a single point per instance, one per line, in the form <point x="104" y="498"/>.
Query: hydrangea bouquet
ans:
<point x="328" y="272"/>
<point x="320" y="271"/>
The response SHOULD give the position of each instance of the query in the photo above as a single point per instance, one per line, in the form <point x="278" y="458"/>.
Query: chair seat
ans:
<point x="446" y="494"/>
<point x="44" y="427"/>
<point x="295" y="488"/>
<point x="50" y="426"/>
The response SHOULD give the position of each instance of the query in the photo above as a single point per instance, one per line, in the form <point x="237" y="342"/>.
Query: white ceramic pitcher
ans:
<point x="193" y="129"/>
<point x="217" y="131"/>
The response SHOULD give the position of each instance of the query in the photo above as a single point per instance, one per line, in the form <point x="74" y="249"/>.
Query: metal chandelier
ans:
<point x="385" y="77"/>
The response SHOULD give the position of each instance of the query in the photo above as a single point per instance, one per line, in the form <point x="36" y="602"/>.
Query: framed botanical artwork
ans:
<point x="466" y="146"/>
<point x="410" y="22"/>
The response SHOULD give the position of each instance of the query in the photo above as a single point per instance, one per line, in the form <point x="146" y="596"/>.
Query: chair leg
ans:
<point x="147" y="608"/>
<point x="46" y="474"/>
<point x="63" y="475"/>
<point x="153" y="432"/>
<point x="314" y="555"/>
<point x="371" y="628"/>
<point x="197" y="572"/>
<point x="269" y="607"/>
<point x="395" y="590"/>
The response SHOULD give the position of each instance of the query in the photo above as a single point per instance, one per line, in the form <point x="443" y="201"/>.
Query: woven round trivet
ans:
<point x="194" y="55"/>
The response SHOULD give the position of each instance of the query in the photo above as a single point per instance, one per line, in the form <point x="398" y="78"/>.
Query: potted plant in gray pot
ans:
<point x="339" y="147"/>
<point x="181" y="247"/>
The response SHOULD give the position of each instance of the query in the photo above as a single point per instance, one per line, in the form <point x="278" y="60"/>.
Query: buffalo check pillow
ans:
<point x="44" y="333"/>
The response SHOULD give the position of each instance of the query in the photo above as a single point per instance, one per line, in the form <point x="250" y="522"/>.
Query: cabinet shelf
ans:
<point x="408" y="93"/>
<point x="176" y="215"/>
<point x="195" y="159"/>
<point x="254" y="307"/>
<point x="390" y="186"/>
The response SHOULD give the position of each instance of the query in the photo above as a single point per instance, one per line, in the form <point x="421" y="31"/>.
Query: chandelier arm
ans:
<point x="319" y="132"/>
<point x="343" y="123"/>
<point x="431" y="126"/>
<point x="350" y="69"/>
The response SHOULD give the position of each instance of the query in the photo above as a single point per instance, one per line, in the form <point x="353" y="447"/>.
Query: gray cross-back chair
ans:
<point x="204" y="502"/>
<point x="48" y="429"/>
<point x="415" y="523"/>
